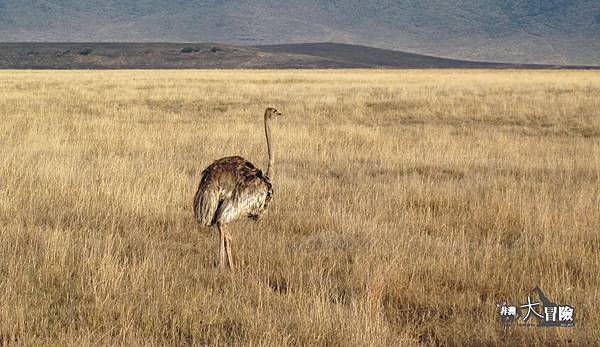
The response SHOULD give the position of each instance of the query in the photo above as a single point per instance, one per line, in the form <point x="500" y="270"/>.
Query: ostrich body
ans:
<point x="231" y="188"/>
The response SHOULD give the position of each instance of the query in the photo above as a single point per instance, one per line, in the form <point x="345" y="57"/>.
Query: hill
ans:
<point x="518" y="31"/>
<point x="210" y="55"/>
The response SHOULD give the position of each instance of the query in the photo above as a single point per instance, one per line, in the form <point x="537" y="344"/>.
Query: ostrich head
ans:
<point x="271" y="113"/>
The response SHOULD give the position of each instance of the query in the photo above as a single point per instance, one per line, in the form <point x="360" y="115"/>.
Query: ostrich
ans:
<point x="233" y="187"/>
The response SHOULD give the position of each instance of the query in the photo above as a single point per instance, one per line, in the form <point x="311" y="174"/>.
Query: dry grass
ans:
<point x="407" y="205"/>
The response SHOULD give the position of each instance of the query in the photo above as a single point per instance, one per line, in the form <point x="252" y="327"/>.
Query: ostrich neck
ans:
<point x="269" y="148"/>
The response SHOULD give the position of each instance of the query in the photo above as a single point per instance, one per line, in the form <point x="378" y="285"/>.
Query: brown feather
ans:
<point x="231" y="188"/>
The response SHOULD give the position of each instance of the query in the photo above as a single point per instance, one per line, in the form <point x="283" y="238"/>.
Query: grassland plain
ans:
<point x="407" y="205"/>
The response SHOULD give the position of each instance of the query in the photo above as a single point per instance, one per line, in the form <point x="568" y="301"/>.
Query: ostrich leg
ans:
<point x="228" y="249"/>
<point x="221" y="245"/>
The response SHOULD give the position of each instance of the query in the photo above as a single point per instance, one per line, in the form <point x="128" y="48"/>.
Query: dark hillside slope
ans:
<point x="94" y="55"/>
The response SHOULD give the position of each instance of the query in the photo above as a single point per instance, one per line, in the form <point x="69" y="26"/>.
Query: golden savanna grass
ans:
<point x="407" y="205"/>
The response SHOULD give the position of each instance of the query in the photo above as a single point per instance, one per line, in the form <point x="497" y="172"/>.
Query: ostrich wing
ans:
<point x="249" y="198"/>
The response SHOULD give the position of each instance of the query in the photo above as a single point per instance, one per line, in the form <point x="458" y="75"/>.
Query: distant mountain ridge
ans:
<point x="143" y="55"/>
<point x="518" y="31"/>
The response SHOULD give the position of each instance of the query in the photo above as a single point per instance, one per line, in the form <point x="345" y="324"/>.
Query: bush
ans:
<point x="86" y="51"/>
